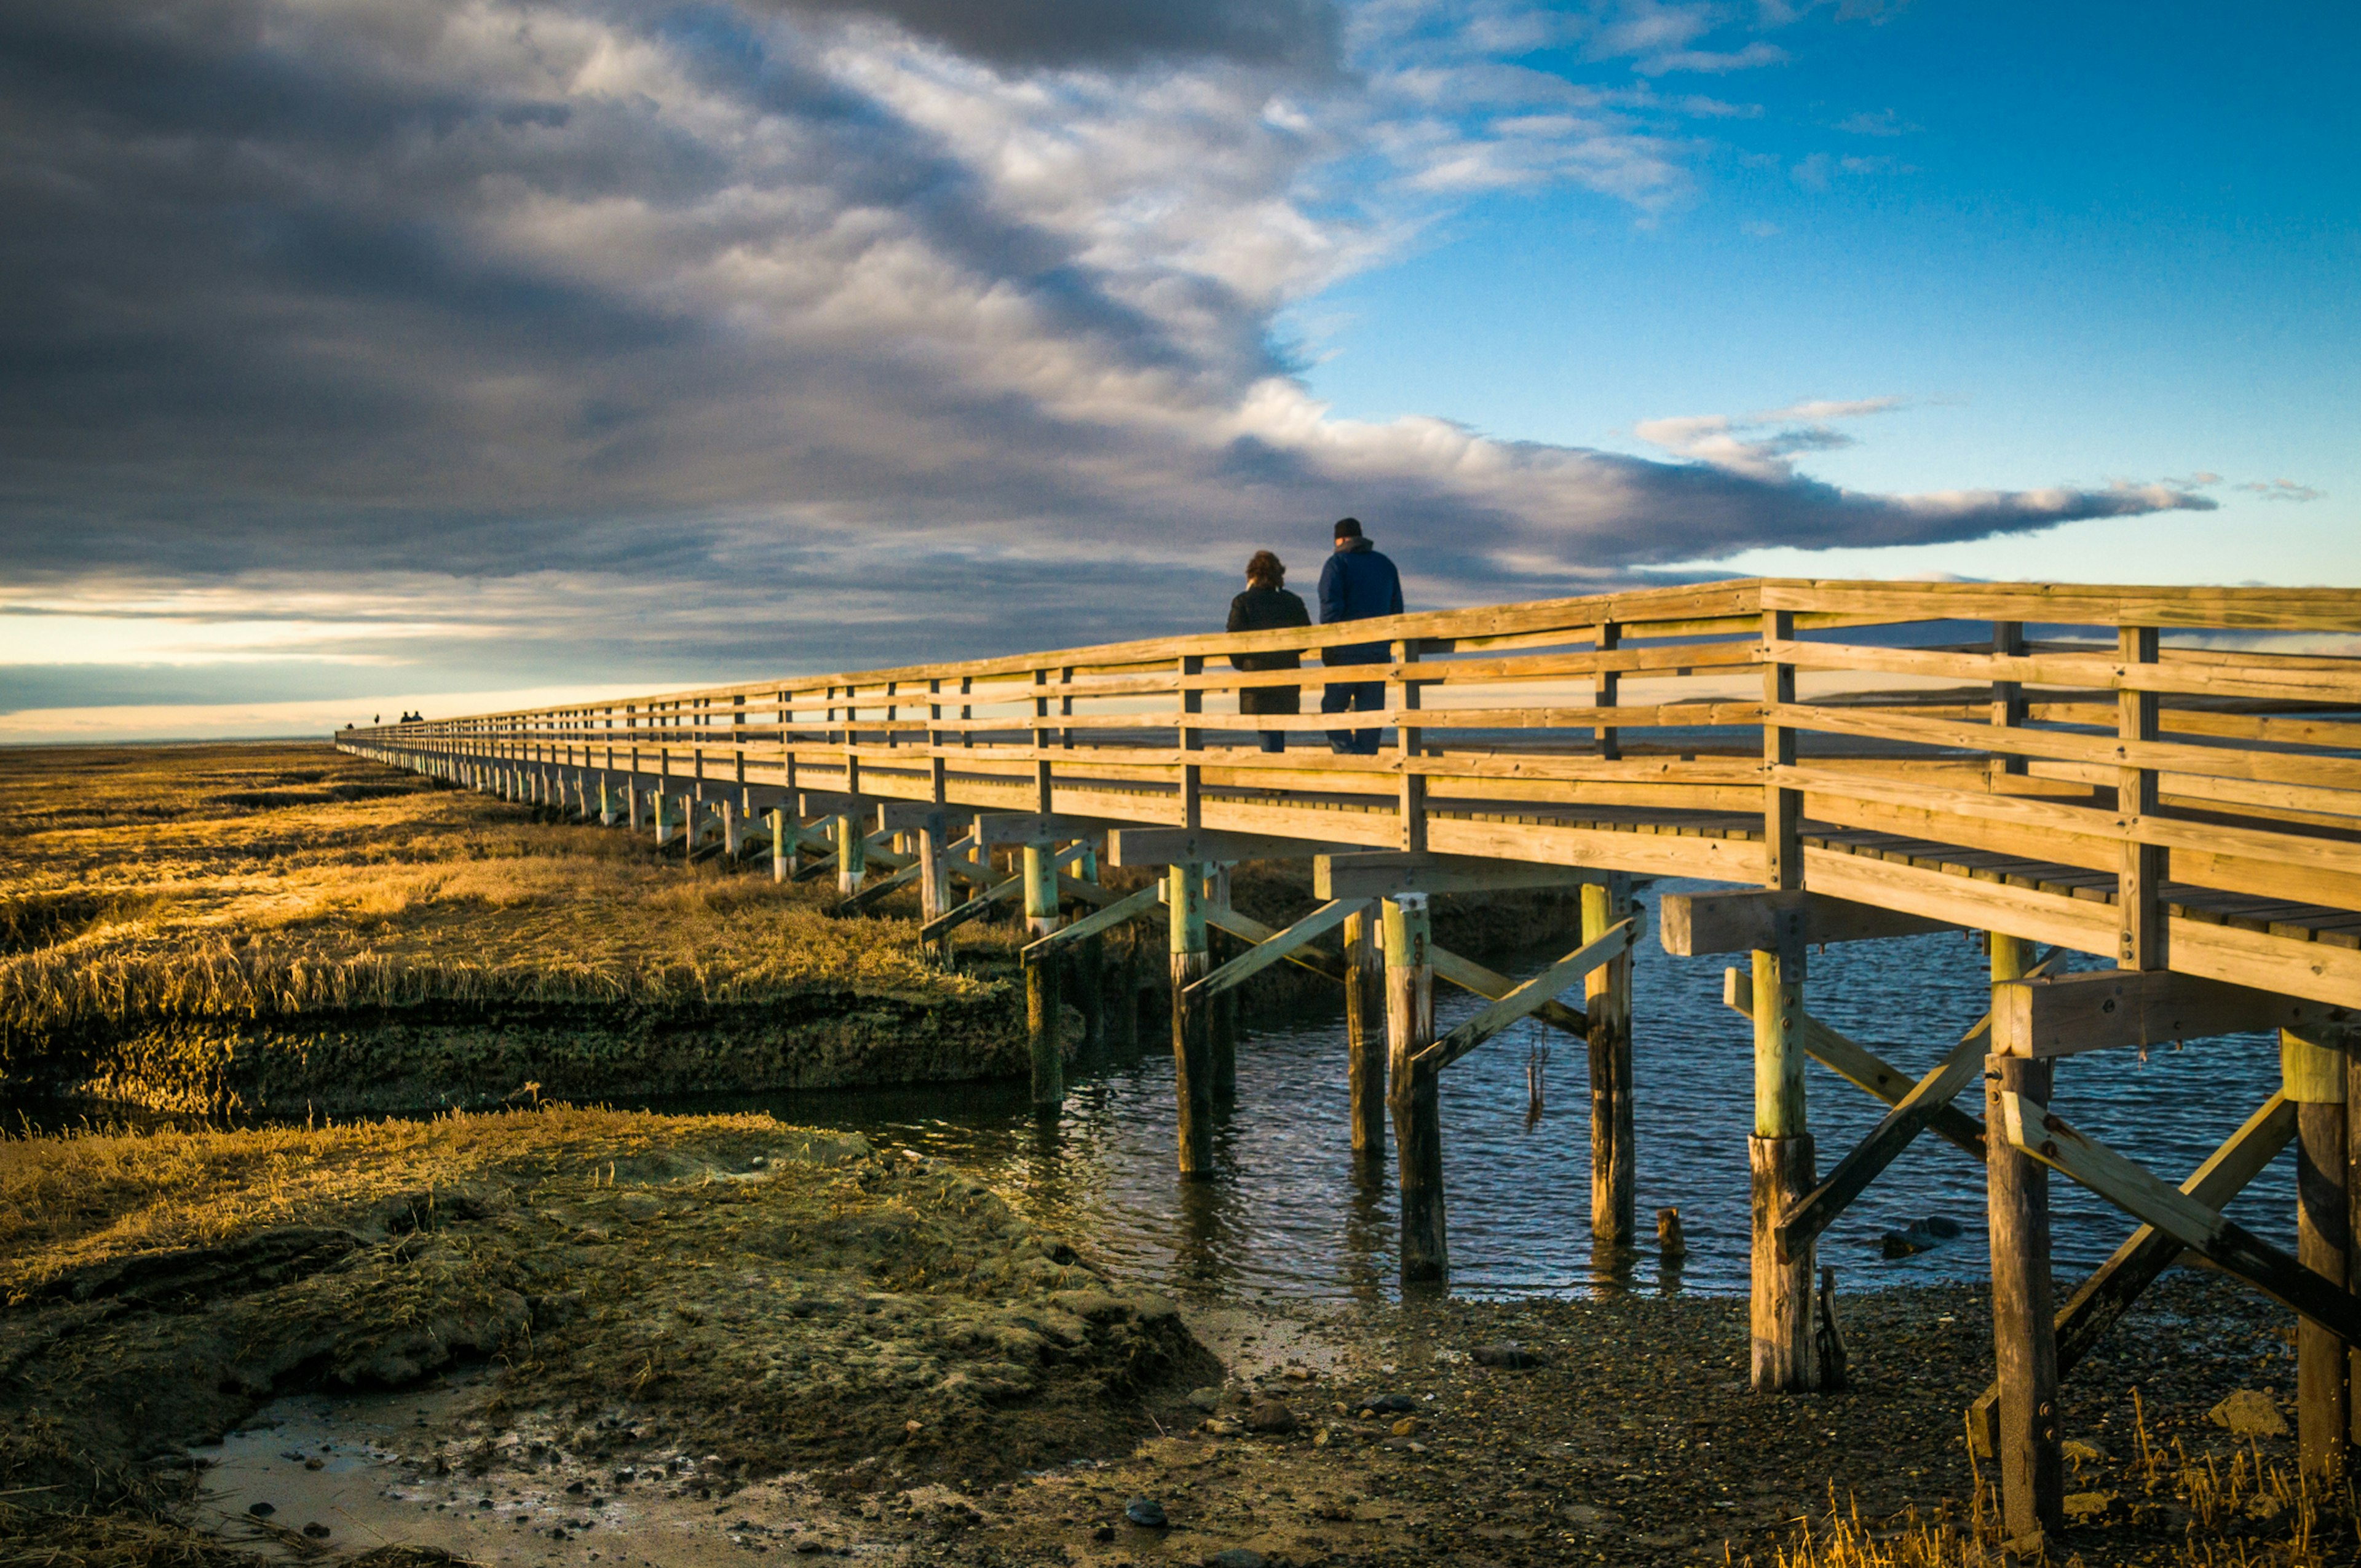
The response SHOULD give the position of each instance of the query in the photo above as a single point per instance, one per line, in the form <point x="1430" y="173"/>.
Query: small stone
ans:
<point x="316" y="1531"/>
<point x="573" y="1489"/>
<point x="291" y="1453"/>
<point x="1105" y="1532"/>
<point x="260" y="1510"/>
<point x="1389" y="1405"/>
<point x="2262" y="1507"/>
<point x="1219" y="1426"/>
<point x="315" y="1465"/>
<point x="1147" y="1513"/>
<point x="1406" y="1426"/>
<point x="1510" y="1357"/>
<point x="1206" y="1399"/>
<point x="1236" y="1557"/>
<point x="1298" y="1374"/>
<point x="2077" y="1451"/>
<point x="1271" y="1416"/>
<point x="2249" y="1413"/>
<point x="914" y="1427"/>
<point x="1322" y="1438"/>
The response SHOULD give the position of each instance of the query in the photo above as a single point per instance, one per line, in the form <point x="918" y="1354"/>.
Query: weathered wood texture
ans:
<point x="2024" y="1337"/>
<point x="2201" y="776"/>
<point x="1413" y="1090"/>
<point x="1607" y="998"/>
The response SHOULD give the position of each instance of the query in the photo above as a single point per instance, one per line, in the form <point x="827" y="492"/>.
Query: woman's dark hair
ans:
<point x="1266" y="570"/>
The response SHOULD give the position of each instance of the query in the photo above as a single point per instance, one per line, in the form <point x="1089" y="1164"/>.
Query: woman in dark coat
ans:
<point x="1267" y="605"/>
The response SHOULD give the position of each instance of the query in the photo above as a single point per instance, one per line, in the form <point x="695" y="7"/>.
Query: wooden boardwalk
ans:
<point x="2167" y="778"/>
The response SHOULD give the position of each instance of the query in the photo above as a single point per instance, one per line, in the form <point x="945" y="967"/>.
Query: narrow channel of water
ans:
<point x="1291" y="1212"/>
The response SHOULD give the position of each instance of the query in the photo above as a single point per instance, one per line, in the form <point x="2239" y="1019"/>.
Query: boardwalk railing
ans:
<point x="2167" y="778"/>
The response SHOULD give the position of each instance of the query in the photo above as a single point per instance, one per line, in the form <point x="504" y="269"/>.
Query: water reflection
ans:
<point x="1292" y="1210"/>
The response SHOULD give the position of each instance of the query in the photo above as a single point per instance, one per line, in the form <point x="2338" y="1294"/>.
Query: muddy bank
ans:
<point x="446" y="1056"/>
<point x="761" y="1299"/>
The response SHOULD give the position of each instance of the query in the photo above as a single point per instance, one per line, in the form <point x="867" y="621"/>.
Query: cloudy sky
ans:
<point x="363" y="354"/>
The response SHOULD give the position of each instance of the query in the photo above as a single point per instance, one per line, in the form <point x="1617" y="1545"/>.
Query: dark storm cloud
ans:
<point x="1300" y="33"/>
<point x="767" y="317"/>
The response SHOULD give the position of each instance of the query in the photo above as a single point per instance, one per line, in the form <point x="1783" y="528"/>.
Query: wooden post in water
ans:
<point x="1090" y="964"/>
<point x="2312" y="1074"/>
<point x="1042" y="1003"/>
<point x="1365" y="1034"/>
<point x="852" y="854"/>
<point x="1223" y="1022"/>
<point x="1780" y="1155"/>
<point x="1413" y="1088"/>
<point x="1608" y="990"/>
<point x="1192" y="1046"/>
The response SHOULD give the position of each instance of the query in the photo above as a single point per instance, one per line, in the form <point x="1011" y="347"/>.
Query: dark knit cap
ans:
<point x="1348" y="527"/>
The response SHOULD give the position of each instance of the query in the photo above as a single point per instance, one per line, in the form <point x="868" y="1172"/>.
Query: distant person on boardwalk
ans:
<point x="1267" y="605"/>
<point x="1356" y="584"/>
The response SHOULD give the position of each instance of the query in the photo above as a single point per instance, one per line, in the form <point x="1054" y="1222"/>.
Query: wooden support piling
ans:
<point x="1044" y="1008"/>
<point x="2313" y="1074"/>
<point x="1192" y="1046"/>
<point x="783" y="844"/>
<point x="935" y="877"/>
<point x="1365" y="1002"/>
<point x="2025" y="1338"/>
<point x="1414" y="1081"/>
<point x="1613" y="1215"/>
<point x="1780" y="1156"/>
<point x="1089" y="965"/>
<point x="852" y="854"/>
<point x="1222" y="1010"/>
<point x="663" y="828"/>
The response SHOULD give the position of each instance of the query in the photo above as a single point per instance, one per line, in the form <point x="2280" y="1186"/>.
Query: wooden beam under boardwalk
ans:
<point x="2059" y="1015"/>
<point x="1699" y="923"/>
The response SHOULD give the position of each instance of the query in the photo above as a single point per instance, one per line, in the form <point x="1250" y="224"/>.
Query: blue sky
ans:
<point x="2077" y="242"/>
<point x="459" y="352"/>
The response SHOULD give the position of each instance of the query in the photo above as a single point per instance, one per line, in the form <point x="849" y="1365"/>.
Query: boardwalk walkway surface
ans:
<point x="2168" y="778"/>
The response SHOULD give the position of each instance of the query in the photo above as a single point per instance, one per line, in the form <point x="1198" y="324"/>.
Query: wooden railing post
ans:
<point x="2139" y="886"/>
<point x="1608" y="991"/>
<point x="1365" y="1034"/>
<point x="1413" y="1090"/>
<point x="2312" y="1075"/>
<point x="1192" y="1050"/>
<point x="2008" y="697"/>
<point x="1192" y="739"/>
<point x="1043" y="1005"/>
<point x="1413" y="794"/>
<point x="783" y="843"/>
<point x="1606" y="692"/>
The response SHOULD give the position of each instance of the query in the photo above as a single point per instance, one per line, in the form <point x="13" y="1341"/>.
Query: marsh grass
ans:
<point x="261" y="880"/>
<point x="99" y="1192"/>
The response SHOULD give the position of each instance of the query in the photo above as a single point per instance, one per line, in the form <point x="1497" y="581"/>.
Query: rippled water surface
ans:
<point x="1291" y="1211"/>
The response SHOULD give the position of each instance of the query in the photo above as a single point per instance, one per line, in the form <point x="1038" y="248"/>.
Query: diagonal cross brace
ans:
<point x="1861" y="1067"/>
<point x="991" y="895"/>
<point x="1147" y="900"/>
<point x="1850" y="1177"/>
<point x="1528" y="998"/>
<point x="2101" y="1301"/>
<point x="903" y="878"/>
<point x="1464" y="973"/>
<point x="2031" y="1126"/>
<point x="1265" y="953"/>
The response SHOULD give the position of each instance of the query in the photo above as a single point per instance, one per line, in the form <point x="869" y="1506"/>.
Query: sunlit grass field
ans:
<point x="261" y="881"/>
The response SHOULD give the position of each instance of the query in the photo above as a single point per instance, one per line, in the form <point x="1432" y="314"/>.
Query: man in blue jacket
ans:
<point x="1355" y="584"/>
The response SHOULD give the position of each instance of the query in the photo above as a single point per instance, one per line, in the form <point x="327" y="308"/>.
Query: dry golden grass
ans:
<point x="99" y="1193"/>
<point x="254" y="881"/>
